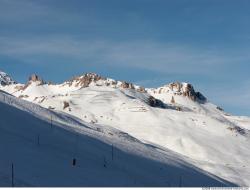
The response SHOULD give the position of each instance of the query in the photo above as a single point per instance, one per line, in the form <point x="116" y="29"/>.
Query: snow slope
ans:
<point x="42" y="153"/>
<point x="188" y="124"/>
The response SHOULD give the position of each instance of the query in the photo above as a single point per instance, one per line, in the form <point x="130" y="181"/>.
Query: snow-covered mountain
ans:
<point x="172" y="118"/>
<point x="42" y="153"/>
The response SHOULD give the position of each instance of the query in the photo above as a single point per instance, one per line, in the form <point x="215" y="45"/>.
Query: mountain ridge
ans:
<point x="84" y="80"/>
<point x="174" y="116"/>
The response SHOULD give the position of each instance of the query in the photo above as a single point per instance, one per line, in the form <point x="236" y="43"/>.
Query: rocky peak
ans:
<point x="186" y="89"/>
<point x="85" y="80"/>
<point x="33" y="79"/>
<point x="182" y="89"/>
<point x="92" y="76"/>
<point x="5" y="79"/>
<point x="36" y="78"/>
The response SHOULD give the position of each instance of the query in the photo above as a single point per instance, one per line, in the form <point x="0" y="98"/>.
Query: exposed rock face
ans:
<point x="155" y="102"/>
<point x="172" y="100"/>
<point x="23" y="96"/>
<point x="201" y="97"/>
<point x="114" y="82"/>
<point x="127" y="85"/>
<point x="141" y="89"/>
<point x="175" y="86"/>
<point x="85" y="80"/>
<point x="18" y="87"/>
<point x="186" y="89"/>
<point x="181" y="89"/>
<point x="5" y="79"/>
<point x="3" y="83"/>
<point x="36" y="78"/>
<point x="237" y="129"/>
<point x="219" y="108"/>
<point x="88" y="78"/>
<point x="33" y="79"/>
<point x="65" y="104"/>
<point x="178" y="108"/>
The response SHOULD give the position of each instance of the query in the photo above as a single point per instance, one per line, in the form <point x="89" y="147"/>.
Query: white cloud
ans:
<point x="165" y="58"/>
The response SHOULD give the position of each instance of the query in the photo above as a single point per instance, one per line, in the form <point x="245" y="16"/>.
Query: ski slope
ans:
<point x="42" y="153"/>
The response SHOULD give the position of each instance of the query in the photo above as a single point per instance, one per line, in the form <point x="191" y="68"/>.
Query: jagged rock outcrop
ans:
<point x="36" y="78"/>
<point x="201" y="97"/>
<point x="5" y="79"/>
<point x="152" y="101"/>
<point x="33" y="79"/>
<point x="172" y="100"/>
<point x="141" y="89"/>
<point x="85" y="80"/>
<point x="88" y="78"/>
<point x="127" y="85"/>
<point x="175" y="86"/>
<point x="178" y="89"/>
<point x="65" y="104"/>
<point x="186" y="89"/>
<point x="219" y="108"/>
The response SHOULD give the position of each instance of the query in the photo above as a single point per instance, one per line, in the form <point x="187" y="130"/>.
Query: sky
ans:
<point x="147" y="42"/>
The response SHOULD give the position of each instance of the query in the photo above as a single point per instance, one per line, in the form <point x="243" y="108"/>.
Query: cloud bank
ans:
<point x="160" y="57"/>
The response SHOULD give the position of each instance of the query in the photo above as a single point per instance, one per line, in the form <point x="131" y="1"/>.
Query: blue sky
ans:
<point x="149" y="42"/>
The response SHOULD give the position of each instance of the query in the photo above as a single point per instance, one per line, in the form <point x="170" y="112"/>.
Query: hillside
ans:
<point x="174" y="118"/>
<point x="42" y="153"/>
